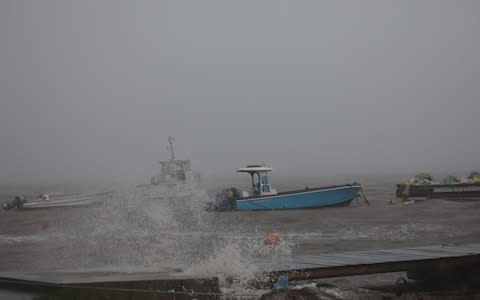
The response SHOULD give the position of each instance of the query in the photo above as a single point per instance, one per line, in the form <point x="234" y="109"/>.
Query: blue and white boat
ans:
<point x="263" y="197"/>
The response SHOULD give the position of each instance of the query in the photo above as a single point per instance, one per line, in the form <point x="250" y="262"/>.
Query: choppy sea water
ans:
<point x="131" y="232"/>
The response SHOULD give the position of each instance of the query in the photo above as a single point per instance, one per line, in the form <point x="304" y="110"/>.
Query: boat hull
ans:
<point x="314" y="198"/>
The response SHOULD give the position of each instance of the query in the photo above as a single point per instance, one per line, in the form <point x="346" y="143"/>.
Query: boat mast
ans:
<point x="170" y="140"/>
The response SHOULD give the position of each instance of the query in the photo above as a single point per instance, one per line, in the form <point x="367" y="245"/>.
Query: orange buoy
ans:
<point x="273" y="239"/>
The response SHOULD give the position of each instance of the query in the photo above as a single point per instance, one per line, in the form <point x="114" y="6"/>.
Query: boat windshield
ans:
<point x="264" y="179"/>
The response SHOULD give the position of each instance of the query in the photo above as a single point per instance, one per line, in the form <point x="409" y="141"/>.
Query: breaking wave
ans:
<point x="148" y="231"/>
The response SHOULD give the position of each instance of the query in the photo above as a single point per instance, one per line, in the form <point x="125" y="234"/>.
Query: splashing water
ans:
<point x="159" y="231"/>
<point x="225" y="262"/>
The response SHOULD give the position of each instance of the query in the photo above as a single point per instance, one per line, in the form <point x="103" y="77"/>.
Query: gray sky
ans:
<point x="92" y="89"/>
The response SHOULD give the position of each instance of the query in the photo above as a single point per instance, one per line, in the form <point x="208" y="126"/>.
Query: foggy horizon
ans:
<point x="91" y="90"/>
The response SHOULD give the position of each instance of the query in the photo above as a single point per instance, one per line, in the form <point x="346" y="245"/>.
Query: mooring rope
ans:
<point x="152" y="291"/>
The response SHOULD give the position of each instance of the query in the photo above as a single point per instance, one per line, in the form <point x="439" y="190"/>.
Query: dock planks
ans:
<point x="372" y="261"/>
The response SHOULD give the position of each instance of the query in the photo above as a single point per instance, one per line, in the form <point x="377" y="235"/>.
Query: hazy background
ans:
<point x="91" y="90"/>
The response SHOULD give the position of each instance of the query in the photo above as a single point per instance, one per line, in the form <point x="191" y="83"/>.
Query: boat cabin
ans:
<point x="260" y="180"/>
<point x="173" y="170"/>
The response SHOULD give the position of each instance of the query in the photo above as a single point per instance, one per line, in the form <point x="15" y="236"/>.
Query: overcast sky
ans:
<point x="92" y="89"/>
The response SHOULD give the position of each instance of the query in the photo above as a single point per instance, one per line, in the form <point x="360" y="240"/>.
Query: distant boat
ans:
<point x="44" y="201"/>
<point x="175" y="176"/>
<point x="452" y="188"/>
<point x="263" y="197"/>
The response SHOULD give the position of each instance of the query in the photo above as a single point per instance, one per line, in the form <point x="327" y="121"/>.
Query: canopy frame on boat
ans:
<point x="262" y="186"/>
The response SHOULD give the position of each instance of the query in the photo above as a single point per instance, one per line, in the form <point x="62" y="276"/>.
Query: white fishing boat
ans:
<point x="175" y="178"/>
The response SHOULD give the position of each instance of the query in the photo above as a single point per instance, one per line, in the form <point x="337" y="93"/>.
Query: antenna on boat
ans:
<point x="170" y="140"/>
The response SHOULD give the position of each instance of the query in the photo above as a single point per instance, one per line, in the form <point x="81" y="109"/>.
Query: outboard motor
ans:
<point x="17" y="202"/>
<point x="225" y="200"/>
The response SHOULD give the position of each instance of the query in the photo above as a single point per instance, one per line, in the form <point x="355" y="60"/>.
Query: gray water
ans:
<point x="129" y="233"/>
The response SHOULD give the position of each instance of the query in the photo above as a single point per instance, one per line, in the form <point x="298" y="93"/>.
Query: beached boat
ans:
<point x="263" y="197"/>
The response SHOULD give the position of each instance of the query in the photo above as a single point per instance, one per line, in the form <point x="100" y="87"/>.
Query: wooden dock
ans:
<point x="415" y="260"/>
<point x="107" y="285"/>
<point x="450" y="262"/>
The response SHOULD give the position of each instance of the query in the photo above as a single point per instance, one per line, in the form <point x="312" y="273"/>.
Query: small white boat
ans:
<point x="44" y="201"/>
